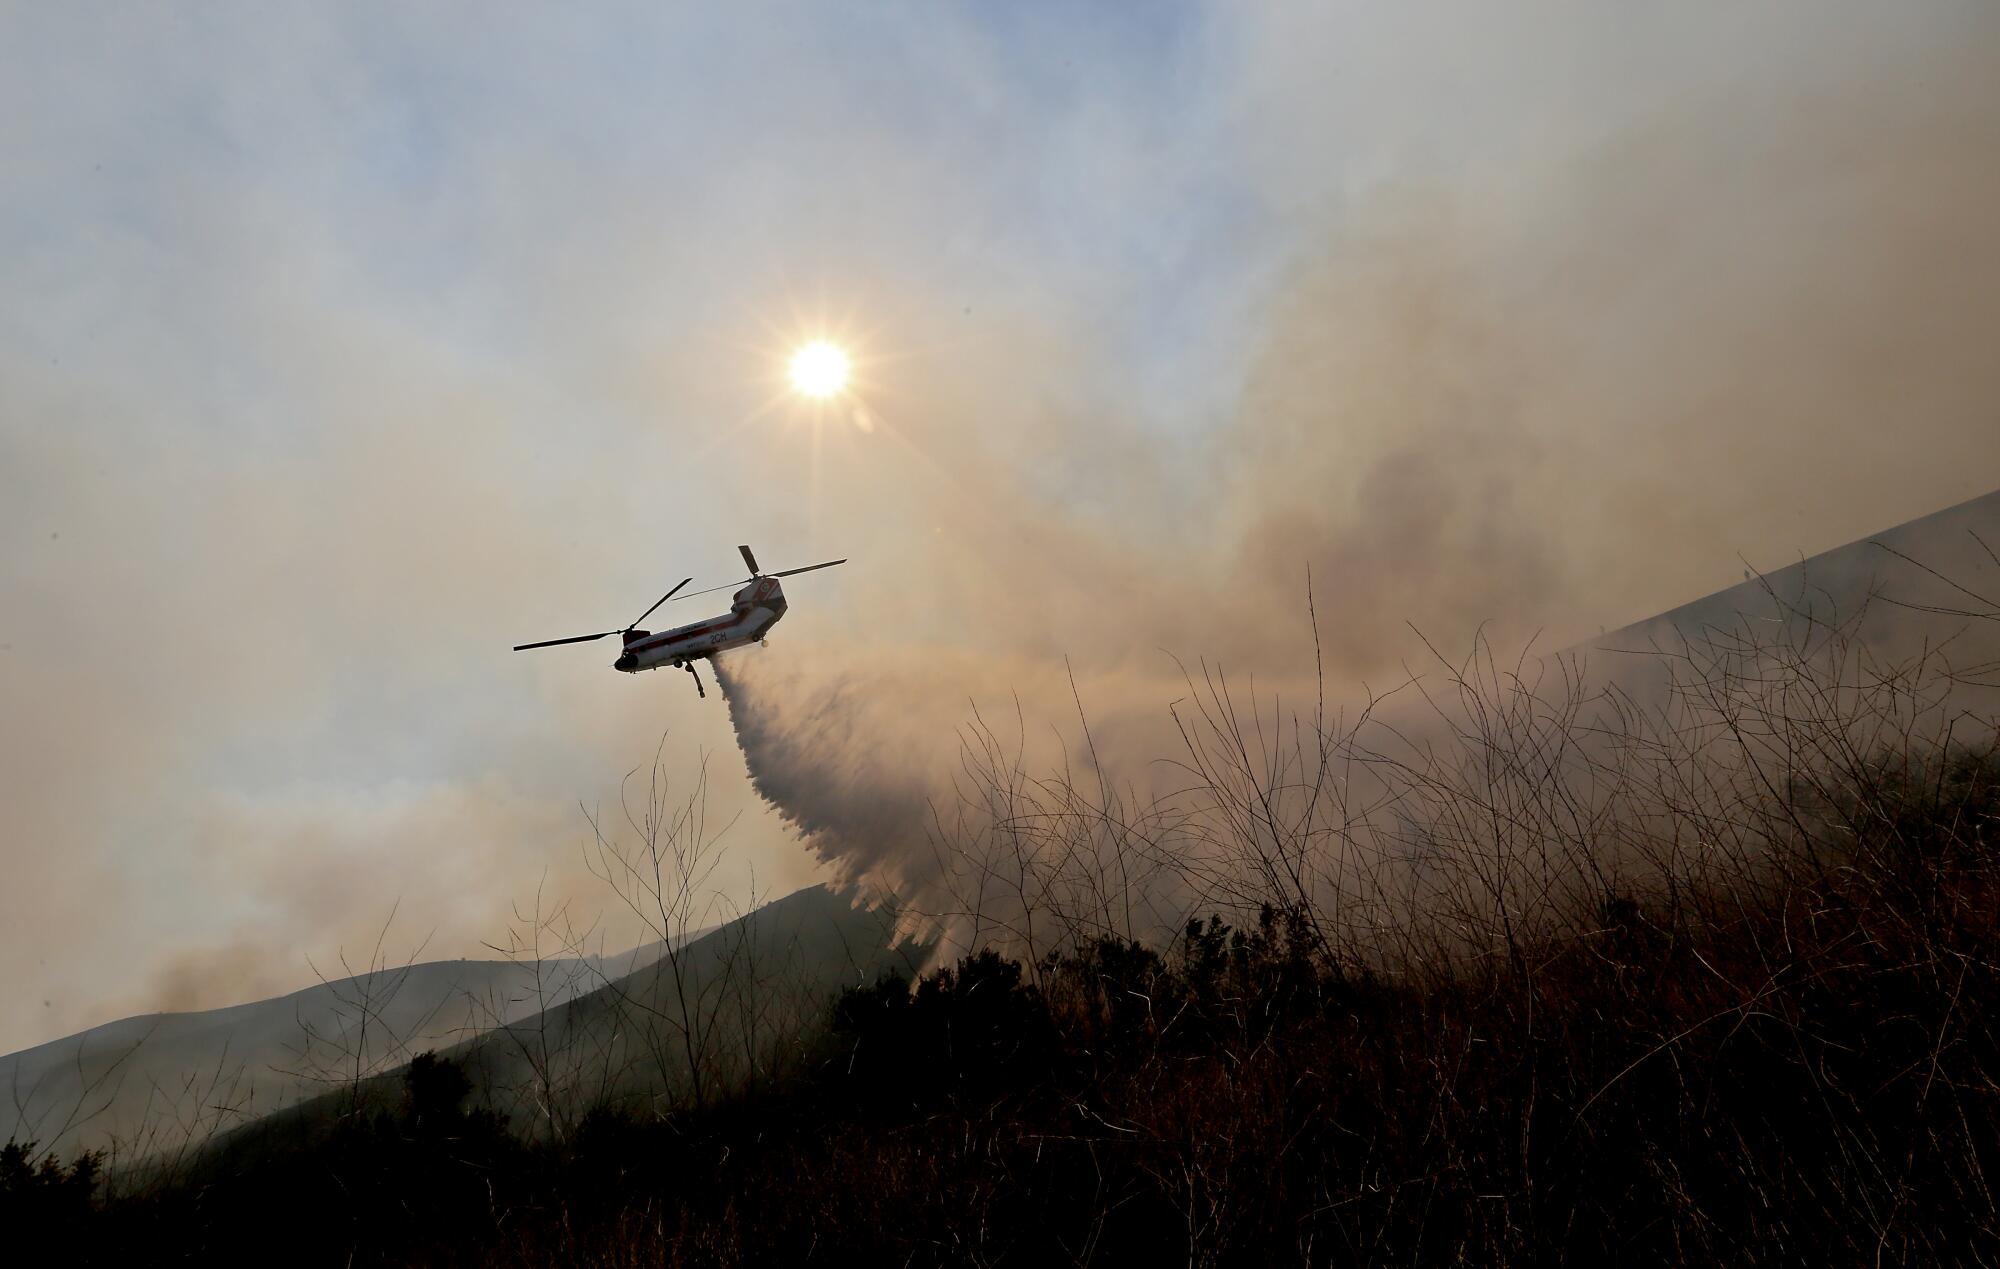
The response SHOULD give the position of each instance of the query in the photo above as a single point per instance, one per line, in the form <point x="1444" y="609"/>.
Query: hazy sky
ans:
<point x="343" y="346"/>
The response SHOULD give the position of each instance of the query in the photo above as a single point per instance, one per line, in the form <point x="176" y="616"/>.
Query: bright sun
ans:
<point x="819" y="369"/>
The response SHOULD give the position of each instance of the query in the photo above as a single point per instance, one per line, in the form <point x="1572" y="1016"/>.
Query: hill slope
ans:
<point x="741" y="1003"/>
<point x="157" y="1081"/>
<point x="737" y="1003"/>
<point x="1932" y="582"/>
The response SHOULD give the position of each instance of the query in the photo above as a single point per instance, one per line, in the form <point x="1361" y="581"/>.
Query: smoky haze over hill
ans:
<point x="340" y="344"/>
<point x="1093" y="819"/>
<point x="1534" y="392"/>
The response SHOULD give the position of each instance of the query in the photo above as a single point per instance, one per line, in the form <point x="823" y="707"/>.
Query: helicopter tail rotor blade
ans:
<point x="807" y="569"/>
<point x="751" y="560"/>
<point x="550" y="643"/>
<point x="656" y="603"/>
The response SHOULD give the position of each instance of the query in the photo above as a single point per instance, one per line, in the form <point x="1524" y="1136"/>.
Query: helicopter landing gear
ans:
<point x="699" y="690"/>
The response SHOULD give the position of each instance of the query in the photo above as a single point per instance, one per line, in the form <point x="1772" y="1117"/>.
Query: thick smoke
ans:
<point x="1531" y="402"/>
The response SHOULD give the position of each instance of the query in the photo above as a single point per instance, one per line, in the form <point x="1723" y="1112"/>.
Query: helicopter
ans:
<point x="752" y="612"/>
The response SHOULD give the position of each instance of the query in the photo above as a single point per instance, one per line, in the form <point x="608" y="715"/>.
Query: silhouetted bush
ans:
<point x="45" y="1205"/>
<point x="436" y="1088"/>
<point x="964" y="1033"/>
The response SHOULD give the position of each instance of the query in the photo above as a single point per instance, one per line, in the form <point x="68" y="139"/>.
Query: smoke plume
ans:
<point x="1523" y="395"/>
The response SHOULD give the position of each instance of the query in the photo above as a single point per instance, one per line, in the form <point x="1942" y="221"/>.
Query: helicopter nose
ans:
<point x="627" y="663"/>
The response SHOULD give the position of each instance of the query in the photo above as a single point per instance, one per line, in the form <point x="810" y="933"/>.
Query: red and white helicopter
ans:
<point x="752" y="613"/>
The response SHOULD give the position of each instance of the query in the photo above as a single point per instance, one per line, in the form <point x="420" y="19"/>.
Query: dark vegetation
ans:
<point x="1812" y="1081"/>
<point x="1755" y="1024"/>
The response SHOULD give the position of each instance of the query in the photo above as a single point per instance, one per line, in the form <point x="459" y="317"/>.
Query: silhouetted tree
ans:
<point x="435" y="1088"/>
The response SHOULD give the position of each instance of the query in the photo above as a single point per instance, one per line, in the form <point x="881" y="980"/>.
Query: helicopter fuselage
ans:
<point x="752" y="612"/>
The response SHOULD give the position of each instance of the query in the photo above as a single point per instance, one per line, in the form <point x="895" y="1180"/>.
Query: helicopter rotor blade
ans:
<point x="759" y="575"/>
<point x="711" y="590"/>
<point x="746" y="581"/>
<point x="550" y="643"/>
<point x="656" y="603"/>
<point x="807" y="569"/>
<point x="751" y="560"/>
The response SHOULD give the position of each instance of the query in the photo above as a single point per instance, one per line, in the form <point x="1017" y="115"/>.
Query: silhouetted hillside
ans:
<point x="165" y="1081"/>
<point x="733" y="1006"/>
<point x="737" y="1006"/>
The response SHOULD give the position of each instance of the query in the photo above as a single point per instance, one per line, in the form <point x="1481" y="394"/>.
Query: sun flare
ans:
<point x="819" y="370"/>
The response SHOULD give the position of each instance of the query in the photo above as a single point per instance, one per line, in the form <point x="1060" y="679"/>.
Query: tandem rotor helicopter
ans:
<point x="752" y="612"/>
